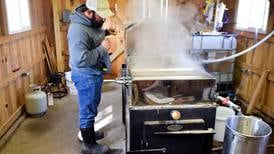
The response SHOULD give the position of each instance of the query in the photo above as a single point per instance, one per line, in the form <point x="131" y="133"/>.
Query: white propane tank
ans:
<point x="36" y="100"/>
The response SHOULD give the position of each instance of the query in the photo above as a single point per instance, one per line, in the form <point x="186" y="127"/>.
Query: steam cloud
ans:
<point x="162" y="42"/>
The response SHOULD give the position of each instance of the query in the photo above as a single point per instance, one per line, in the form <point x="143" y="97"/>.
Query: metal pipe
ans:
<point x="144" y="9"/>
<point x="109" y="80"/>
<point x="163" y="150"/>
<point x="162" y="6"/>
<point x="166" y="13"/>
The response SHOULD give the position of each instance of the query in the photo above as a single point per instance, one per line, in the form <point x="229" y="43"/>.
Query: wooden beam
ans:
<point x="258" y="91"/>
<point x="4" y="82"/>
<point x="9" y="38"/>
<point x="117" y="53"/>
<point x="11" y="120"/>
<point x="58" y="41"/>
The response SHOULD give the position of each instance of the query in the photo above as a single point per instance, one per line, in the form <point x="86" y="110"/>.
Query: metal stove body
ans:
<point x="166" y="101"/>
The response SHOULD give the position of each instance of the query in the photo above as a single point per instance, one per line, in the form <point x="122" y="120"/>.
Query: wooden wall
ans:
<point x="61" y="30"/>
<point x="256" y="63"/>
<point x="22" y="53"/>
<point x="261" y="59"/>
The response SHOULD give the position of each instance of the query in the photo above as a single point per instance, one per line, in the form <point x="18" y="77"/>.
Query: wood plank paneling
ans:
<point x="8" y="38"/>
<point x="271" y="57"/>
<point x="13" y="96"/>
<point x="9" y="65"/>
<point x="3" y="62"/>
<point x="7" y="99"/>
<point x="20" y="92"/>
<point x="58" y="40"/>
<point x="4" y="127"/>
<point x="114" y="22"/>
<point x="256" y="63"/>
<point x="3" y="107"/>
<point x="22" y="53"/>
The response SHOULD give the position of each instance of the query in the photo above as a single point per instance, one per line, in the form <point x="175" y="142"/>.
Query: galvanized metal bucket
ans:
<point x="246" y="135"/>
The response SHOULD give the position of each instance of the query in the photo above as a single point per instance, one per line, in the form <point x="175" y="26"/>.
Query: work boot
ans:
<point x="98" y="136"/>
<point x="89" y="144"/>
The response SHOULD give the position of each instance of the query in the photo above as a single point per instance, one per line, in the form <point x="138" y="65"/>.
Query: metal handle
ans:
<point x="163" y="150"/>
<point x="187" y="132"/>
<point x="122" y="80"/>
<point x="170" y="122"/>
<point x="119" y="81"/>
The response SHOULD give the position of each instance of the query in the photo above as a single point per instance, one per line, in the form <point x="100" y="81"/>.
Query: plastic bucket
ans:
<point x="222" y="113"/>
<point x="246" y="135"/>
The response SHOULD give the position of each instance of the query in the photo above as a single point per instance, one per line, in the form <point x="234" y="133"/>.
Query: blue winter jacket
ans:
<point x="86" y="52"/>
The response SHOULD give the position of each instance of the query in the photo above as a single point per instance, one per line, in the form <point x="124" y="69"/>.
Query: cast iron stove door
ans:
<point x="152" y="129"/>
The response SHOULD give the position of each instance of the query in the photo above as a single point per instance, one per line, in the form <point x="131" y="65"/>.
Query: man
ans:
<point x="89" y="59"/>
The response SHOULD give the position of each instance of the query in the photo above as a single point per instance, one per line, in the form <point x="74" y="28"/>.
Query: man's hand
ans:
<point x="110" y="31"/>
<point x="106" y="44"/>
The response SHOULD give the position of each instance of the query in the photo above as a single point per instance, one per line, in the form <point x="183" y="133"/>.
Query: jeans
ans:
<point x="89" y="89"/>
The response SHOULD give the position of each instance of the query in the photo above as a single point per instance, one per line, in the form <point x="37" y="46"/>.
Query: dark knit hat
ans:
<point x="82" y="8"/>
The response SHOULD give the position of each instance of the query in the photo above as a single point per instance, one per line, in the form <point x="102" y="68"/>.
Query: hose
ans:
<point x="240" y="53"/>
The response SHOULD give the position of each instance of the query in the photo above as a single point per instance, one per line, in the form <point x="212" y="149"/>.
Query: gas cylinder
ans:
<point x="36" y="100"/>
